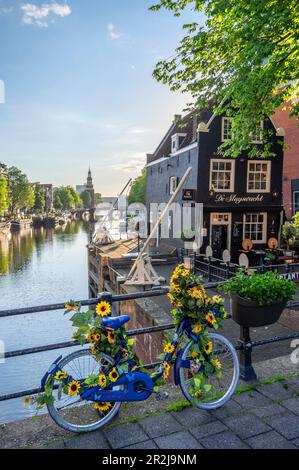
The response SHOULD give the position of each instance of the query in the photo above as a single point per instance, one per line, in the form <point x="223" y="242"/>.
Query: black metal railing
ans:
<point x="244" y="347"/>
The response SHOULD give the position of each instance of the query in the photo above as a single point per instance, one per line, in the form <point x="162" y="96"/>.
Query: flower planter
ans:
<point x="249" y="313"/>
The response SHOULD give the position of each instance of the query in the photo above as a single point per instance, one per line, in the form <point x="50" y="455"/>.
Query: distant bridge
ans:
<point x="84" y="214"/>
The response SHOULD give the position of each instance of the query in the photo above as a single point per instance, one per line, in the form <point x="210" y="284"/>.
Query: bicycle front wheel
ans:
<point x="73" y="413"/>
<point x="222" y="388"/>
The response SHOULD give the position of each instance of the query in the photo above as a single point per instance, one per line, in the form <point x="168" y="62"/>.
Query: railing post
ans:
<point x="209" y="269"/>
<point x="246" y="369"/>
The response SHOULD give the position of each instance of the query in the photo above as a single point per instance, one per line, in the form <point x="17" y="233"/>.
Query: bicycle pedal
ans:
<point x="161" y="396"/>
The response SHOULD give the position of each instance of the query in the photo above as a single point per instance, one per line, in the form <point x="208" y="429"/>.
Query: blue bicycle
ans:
<point x="81" y="405"/>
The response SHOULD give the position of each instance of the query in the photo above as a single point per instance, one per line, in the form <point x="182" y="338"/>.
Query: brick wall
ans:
<point x="291" y="154"/>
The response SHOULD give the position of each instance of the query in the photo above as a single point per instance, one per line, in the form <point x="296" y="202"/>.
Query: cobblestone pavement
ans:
<point x="264" y="418"/>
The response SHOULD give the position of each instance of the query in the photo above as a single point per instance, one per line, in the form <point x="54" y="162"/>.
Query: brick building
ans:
<point x="281" y="119"/>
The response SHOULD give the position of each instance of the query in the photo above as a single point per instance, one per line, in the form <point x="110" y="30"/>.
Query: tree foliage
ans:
<point x="65" y="197"/>
<point x="244" y="52"/>
<point x="4" y="203"/>
<point x="138" y="189"/>
<point x="21" y="194"/>
<point x="86" y="198"/>
<point x="39" y="198"/>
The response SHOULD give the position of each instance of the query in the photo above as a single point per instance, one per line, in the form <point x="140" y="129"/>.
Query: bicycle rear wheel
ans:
<point x="222" y="388"/>
<point x="73" y="413"/>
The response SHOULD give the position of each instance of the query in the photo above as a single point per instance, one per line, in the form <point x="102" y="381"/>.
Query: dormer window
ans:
<point x="226" y="131"/>
<point x="256" y="137"/>
<point x="176" y="142"/>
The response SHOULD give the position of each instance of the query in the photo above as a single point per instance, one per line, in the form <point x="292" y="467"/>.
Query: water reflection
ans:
<point x="38" y="267"/>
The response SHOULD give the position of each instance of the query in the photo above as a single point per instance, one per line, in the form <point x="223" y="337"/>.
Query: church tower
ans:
<point x="90" y="188"/>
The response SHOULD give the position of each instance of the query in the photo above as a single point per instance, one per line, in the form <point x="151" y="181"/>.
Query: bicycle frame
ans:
<point x="133" y="385"/>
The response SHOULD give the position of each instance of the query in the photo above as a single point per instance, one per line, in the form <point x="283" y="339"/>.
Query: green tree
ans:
<point x="86" y="198"/>
<point x="138" y="189"/>
<point x="241" y="51"/>
<point x="4" y="203"/>
<point x="63" y="198"/>
<point x="39" y="198"/>
<point x="97" y="198"/>
<point x="289" y="232"/>
<point x="296" y="220"/>
<point x="76" y="197"/>
<point x="21" y="194"/>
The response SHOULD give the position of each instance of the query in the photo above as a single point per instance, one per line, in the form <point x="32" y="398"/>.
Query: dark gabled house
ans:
<point x="242" y="198"/>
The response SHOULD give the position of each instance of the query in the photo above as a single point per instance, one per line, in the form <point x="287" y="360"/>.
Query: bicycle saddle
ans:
<point x="115" y="322"/>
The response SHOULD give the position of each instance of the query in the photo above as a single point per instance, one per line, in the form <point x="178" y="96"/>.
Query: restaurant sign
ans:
<point x="291" y="276"/>
<point x="234" y="199"/>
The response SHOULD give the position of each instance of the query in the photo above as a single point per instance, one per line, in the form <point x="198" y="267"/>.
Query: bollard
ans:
<point x="247" y="372"/>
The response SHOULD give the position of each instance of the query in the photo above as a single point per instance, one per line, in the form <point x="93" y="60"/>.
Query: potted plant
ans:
<point x="289" y="232"/>
<point x="258" y="299"/>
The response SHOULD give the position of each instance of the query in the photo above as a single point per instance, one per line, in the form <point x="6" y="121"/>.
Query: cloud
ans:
<point x="112" y="32"/>
<point x="138" y="130"/>
<point x="133" y="165"/>
<point x="38" y="16"/>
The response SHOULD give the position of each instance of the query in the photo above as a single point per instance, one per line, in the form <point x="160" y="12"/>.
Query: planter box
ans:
<point x="249" y="313"/>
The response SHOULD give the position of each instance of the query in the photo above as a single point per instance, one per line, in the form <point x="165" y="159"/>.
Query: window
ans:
<point x="296" y="201"/>
<point x="258" y="178"/>
<point x="176" y="141"/>
<point x="173" y="184"/>
<point x="256" y="137"/>
<point x="222" y="175"/>
<point x="255" y="227"/>
<point x="226" y="133"/>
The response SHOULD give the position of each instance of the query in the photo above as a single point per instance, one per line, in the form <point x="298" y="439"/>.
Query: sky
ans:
<point x="79" y="89"/>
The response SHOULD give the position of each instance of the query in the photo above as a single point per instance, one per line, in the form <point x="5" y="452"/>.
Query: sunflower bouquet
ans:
<point x="190" y="300"/>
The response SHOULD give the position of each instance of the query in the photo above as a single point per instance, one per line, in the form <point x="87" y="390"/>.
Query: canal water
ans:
<point x="38" y="267"/>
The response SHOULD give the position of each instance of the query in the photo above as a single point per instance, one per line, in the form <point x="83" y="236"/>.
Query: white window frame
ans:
<point x="171" y="179"/>
<point x="224" y="119"/>
<point x="294" y="203"/>
<point x="268" y="180"/>
<point x="260" y="140"/>
<point x="232" y="181"/>
<point x="175" y="141"/>
<point x="264" y="214"/>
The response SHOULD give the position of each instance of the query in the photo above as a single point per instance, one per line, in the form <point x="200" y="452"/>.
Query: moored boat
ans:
<point x="5" y="228"/>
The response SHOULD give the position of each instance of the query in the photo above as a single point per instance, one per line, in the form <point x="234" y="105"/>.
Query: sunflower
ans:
<point x="97" y="337"/>
<point x="70" y="307"/>
<point x="102" y="380"/>
<point x="60" y="375"/>
<point x="113" y="375"/>
<point x="111" y="337"/>
<point x="90" y="337"/>
<point x="103" y="406"/>
<point x="166" y="370"/>
<point x="208" y="347"/>
<point x="125" y="353"/>
<point x="171" y="297"/>
<point x="194" y="354"/>
<point x="210" y="317"/>
<point x="27" y="401"/>
<point x="74" y="388"/>
<point x="196" y="292"/>
<point x="169" y="348"/>
<point x="92" y="349"/>
<point x="217" y="299"/>
<point x="175" y="289"/>
<point x="197" y="393"/>
<point x="103" y="308"/>
<point x="216" y="363"/>
<point x="197" y="329"/>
